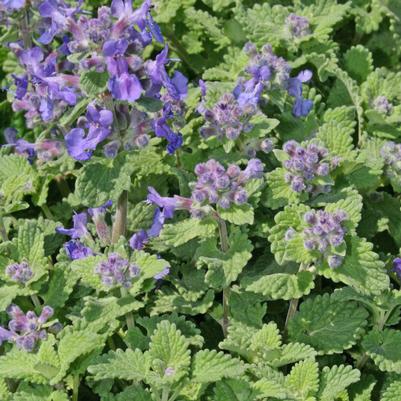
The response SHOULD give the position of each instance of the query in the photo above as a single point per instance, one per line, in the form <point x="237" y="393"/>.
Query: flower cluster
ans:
<point x="43" y="150"/>
<point x="42" y="92"/>
<point x="80" y="235"/>
<point x="110" y="47"/>
<point x="232" y="114"/>
<point x="306" y="164"/>
<point x="391" y="153"/>
<point x="117" y="271"/>
<point x="382" y="105"/>
<point x="269" y="71"/>
<point x="26" y="330"/>
<point x="223" y="187"/>
<point x="226" y="119"/>
<point x="297" y="25"/>
<point x="19" y="272"/>
<point x="325" y="231"/>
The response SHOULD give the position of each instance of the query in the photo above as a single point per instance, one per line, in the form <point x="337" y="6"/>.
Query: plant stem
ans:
<point x="226" y="291"/>
<point x="292" y="310"/>
<point x="36" y="302"/>
<point x="75" y="388"/>
<point x="46" y="211"/>
<point x="119" y="227"/>
<point x="129" y="317"/>
<point x="165" y="394"/>
<point x="3" y="231"/>
<point x="26" y="34"/>
<point x="120" y="221"/>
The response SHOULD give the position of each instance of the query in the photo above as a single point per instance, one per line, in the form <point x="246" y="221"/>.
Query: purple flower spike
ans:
<point x="79" y="229"/>
<point x="305" y="165"/>
<point x="76" y="250"/>
<point x="117" y="271"/>
<point x="298" y="26"/>
<point x="26" y="330"/>
<point x="325" y="231"/>
<point x="139" y="239"/>
<point x="19" y="272"/>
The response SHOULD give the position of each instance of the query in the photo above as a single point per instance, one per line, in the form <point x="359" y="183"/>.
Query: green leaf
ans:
<point x="76" y="341"/>
<point x="303" y="380"/>
<point x="170" y="347"/>
<point x="237" y="214"/>
<point x="93" y="82"/>
<point x="180" y="233"/>
<point x="102" y="180"/>
<point x="392" y="392"/>
<point x="247" y="307"/>
<point x="361" y="268"/>
<point x="358" y="62"/>
<point x="126" y="365"/>
<point x="291" y="353"/>
<point x="233" y="390"/>
<point x="211" y="366"/>
<point x="21" y="365"/>
<point x="327" y="325"/>
<point x="61" y="285"/>
<point x="17" y="179"/>
<point x="337" y="138"/>
<point x="335" y="379"/>
<point x="224" y="268"/>
<point x="351" y="203"/>
<point x="293" y="250"/>
<point x="283" y="286"/>
<point x="383" y="348"/>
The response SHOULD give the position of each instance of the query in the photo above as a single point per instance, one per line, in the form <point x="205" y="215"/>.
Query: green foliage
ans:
<point x="327" y="325"/>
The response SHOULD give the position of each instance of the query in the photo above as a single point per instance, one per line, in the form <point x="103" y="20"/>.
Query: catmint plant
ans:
<point x="200" y="200"/>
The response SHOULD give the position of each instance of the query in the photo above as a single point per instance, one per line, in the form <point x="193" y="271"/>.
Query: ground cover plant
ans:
<point x="200" y="200"/>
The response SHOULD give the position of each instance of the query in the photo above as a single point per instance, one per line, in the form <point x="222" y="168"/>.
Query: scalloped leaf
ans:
<point x="383" y="347"/>
<point x="361" y="269"/>
<point x="233" y="390"/>
<point x="170" y="347"/>
<point x="337" y="138"/>
<point x="224" y="267"/>
<point x="126" y="365"/>
<point x="303" y="380"/>
<point x="327" y="325"/>
<point x="291" y="216"/>
<point x="392" y="391"/>
<point x="211" y="366"/>
<point x="283" y="286"/>
<point x="358" y="62"/>
<point x="335" y="379"/>
<point x="183" y="231"/>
